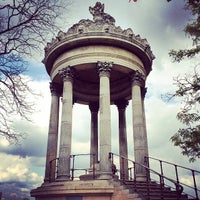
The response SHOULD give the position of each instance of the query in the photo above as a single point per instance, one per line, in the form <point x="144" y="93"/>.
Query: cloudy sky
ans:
<point x="162" y="24"/>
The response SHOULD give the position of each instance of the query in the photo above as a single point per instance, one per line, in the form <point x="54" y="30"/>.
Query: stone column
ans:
<point x="94" y="107"/>
<point x="104" y="69"/>
<point x="139" y="126"/>
<point x="66" y="124"/>
<point x="50" y="170"/>
<point x="123" y="149"/>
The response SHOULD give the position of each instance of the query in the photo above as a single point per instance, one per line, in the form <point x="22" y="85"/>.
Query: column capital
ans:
<point x="121" y="104"/>
<point x="55" y="88"/>
<point x="67" y="73"/>
<point x="143" y="92"/>
<point x="138" y="79"/>
<point x="104" y="68"/>
<point x="94" y="107"/>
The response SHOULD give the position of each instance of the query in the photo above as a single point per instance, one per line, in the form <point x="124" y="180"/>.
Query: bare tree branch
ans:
<point x="24" y="26"/>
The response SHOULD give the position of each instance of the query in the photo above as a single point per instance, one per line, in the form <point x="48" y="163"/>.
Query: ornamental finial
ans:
<point x="99" y="15"/>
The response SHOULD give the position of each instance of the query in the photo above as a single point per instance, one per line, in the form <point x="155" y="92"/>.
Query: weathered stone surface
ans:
<point x="96" y="62"/>
<point x="90" y="190"/>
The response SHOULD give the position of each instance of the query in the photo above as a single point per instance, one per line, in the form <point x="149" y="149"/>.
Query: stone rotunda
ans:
<point x="94" y="63"/>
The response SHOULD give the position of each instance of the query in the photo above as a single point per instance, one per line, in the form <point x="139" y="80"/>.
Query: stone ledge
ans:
<point x="105" y="187"/>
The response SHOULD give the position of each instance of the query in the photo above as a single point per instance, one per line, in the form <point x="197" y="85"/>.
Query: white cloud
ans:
<point x="150" y="19"/>
<point x="17" y="169"/>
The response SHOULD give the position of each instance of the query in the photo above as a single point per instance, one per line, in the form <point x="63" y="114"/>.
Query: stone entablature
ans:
<point x="103" y="27"/>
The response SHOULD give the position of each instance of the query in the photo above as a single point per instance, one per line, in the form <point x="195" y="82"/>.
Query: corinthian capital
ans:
<point x="138" y="79"/>
<point x="67" y="73"/>
<point x="104" y="68"/>
<point x="94" y="107"/>
<point x="54" y="88"/>
<point x="121" y="104"/>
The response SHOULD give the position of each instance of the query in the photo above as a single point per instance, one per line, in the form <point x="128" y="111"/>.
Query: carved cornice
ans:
<point x="102" y="24"/>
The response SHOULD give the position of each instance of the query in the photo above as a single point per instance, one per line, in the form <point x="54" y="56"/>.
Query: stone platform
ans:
<point x="75" y="190"/>
<point x="83" y="190"/>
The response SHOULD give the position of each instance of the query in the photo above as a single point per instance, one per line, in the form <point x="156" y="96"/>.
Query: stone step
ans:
<point x="123" y="193"/>
<point x="152" y="191"/>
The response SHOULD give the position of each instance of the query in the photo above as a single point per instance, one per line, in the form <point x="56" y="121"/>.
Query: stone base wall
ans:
<point x="83" y="190"/>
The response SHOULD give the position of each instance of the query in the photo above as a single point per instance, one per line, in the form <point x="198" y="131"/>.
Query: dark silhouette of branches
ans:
<point x="24" y="27"/>
<point x="188" y="138"/>
<point x="192" y="30"/>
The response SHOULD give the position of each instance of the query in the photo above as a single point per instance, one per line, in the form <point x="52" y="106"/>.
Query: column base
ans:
<point x="105" y="176"/>
<point x="99" y="176"/>
<point x="63" y="178"/>
<point x="141" y="177"/>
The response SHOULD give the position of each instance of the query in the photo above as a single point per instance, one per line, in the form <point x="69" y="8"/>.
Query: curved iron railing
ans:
<point x="165" y="165"/>
<point x="161" y="178"/>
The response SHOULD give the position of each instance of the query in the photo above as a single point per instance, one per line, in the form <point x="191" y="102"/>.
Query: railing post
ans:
<point x="176" y="171"/>
<point x="177" y="180"/>
<point x="113" y="167"/>
<point x="130" y="174"/>
<point x="195" y="185"/>
<point x="50" y="168"/>
<point x="146" y="161"/>
<point x="56" y="173"/>
<point x="148" y="183"/>
<point x="93" y="165"/>
<point x="73" y="160"/>
<point x="161" y="171"/>
<point x="161" y="186"/>
<point x="134" y="171"/>
<point x="122" y="172"/>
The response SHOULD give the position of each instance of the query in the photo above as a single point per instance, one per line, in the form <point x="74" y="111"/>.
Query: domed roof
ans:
<point x="100" y="30"/>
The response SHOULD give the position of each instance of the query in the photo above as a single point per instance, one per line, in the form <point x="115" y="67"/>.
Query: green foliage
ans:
<point x="188" y="138"/>
<point x="192" y="30"/>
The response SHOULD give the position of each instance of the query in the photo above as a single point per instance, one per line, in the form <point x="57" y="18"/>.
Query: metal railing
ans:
<point x="75" y="171"/>
<point x="161" y="178"/>
<point x="129" y="173"/>
<point x="193" y="176"/>
<point x="74" y="168"/>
